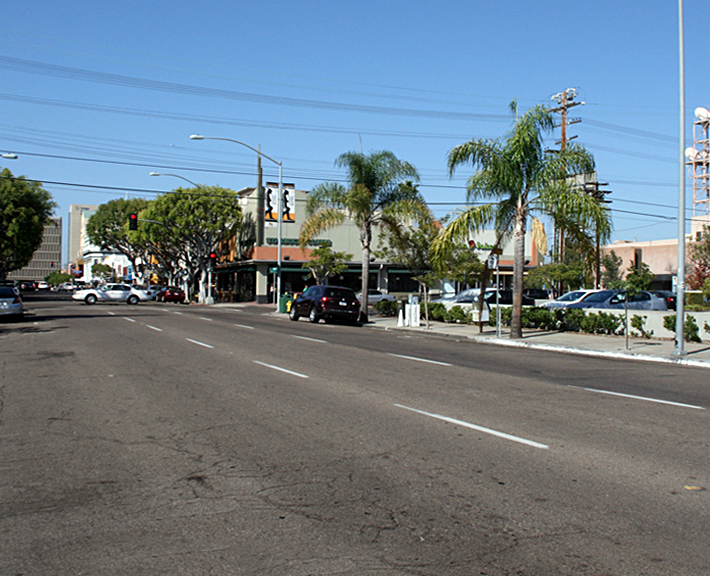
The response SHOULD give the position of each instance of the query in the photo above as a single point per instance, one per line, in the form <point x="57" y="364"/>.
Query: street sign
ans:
<point x="492" y="262"/>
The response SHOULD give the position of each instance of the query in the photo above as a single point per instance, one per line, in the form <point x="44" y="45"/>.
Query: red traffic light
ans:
<point x="213" y="256"/>
<point x="133" y="221"/>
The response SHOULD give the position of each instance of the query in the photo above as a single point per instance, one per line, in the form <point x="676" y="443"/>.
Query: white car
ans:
<point x="112" y="293"/>
<point x="568" y="299"/>
<point x="375" y="296"/>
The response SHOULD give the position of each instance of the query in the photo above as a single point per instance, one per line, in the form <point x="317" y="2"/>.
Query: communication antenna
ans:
<point x="698" y="163"/>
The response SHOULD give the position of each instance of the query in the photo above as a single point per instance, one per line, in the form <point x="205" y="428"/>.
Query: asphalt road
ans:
<point x="185" y="440"/>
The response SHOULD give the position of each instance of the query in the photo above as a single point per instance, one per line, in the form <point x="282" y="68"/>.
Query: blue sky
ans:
<point x="97" y="95"/>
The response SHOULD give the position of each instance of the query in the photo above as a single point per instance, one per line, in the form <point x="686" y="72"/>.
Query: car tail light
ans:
<point x="17" y="300"/>
<point x="325" y="299"/>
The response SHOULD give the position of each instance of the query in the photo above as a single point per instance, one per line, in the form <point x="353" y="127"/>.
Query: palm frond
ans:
<point x="466" y="222"/>
<point x="319" y="222"/>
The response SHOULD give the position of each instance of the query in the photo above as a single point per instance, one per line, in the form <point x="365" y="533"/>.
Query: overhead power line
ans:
<point x="71" y="73"/>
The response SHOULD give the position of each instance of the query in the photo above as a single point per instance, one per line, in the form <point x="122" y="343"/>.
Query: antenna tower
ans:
<point x="698" y="162"/>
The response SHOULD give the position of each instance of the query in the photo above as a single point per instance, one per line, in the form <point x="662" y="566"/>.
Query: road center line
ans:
<point x="245" y="326"/>
<point x="129" y="319"/>
<point x="310" y="339"/>
<point x="479" y="428"/>
<point x="204" y="318"/>
<point x="281" y="369"/>
<point x="154" y="328"/>
<point x="199" y="343"/>
<point x="668" y="402"/>
<point x="420" y="359"/>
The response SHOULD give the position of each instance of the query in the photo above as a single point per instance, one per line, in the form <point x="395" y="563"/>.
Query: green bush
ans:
<point x="694" y="299"/>
<point x="540" y="318"/>
<point x="600" y="323"/>
<point x="570" y="320"/>
<point x="639" y="323"/>
<point x="386" y="307"/>
<point x="457" y="315"/>
<point x="436" y="311"/>
<point x="691" y="332"/>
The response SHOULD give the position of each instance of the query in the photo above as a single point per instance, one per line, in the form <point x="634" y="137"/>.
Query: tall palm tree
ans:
<point x="521" y="178"/>
<point x="380" y="192"/>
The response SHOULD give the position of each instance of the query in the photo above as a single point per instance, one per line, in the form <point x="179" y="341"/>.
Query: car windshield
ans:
<point x="599" y="296"/>
<point x="570" y="296"/>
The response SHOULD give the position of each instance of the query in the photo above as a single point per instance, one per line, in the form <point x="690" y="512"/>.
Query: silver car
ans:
<point x="112" y="293"/>
<point x="642" y="301"/>
<point x="11" y="303"/>
<point x="375" y="296"/>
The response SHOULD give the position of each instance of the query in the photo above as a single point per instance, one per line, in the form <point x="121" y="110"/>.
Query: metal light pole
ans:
<point x="680" y="295"/>
<point x="210" y="300"/>
<point x="280" y="202"/>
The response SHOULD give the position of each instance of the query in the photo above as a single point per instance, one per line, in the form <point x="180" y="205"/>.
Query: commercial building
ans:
<point x="47" y="258"/>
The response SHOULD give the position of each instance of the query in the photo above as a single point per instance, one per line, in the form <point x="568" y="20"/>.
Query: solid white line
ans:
<point x="243" y="326"/>
<point x="281" y="369"/>
<point x="479" y="428"/>
<point x="310" y="339"/>
<point x="129" y="319"/>
<point x="199" y="343"/>
<point x="154" y="328"/>
<point x="203" y="318"/>
<point x="638" y="397"/>
<point x="420" y="359"/>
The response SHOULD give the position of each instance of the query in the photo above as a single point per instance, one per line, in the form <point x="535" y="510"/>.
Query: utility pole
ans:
<point x="565" y="101"/>
<point x="592" y="189"/>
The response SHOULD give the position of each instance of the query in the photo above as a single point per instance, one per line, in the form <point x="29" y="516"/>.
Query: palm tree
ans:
<point x="380" y="192"/>
<point x="522" y="178"/>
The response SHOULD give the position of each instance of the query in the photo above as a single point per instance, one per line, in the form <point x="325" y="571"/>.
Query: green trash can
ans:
<point x="282" y="302"/>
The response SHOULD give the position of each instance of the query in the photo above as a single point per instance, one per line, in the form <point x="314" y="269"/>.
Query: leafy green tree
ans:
<point x="57" y="278"/>
<point x="108" y="229"/>
<point x="102" y="271"/>
<point x="377" y="194"/>
<point x="568" y="275"/>
<point x="522" y="178"/>
<point x="25" y="208"/>
<point x="410" y="247"/>
<point x="638" y="278"/>
<point x="699" y="253"/>
<point x="611" y="270"/>
<point x="324" y="263"/>
<point x="188" y="224"/>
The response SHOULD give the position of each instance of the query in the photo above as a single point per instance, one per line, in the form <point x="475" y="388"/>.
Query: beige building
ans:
<point x="254" y="278"/>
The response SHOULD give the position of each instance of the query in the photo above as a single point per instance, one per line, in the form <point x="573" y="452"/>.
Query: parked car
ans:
<point x="568" y="298"/>
<point x="328" y="303"/>
<point x="11" y="303"/>
<point x="375" y="296"/>
<point x="170" y="294"/>
<point x="642" y="301"/>
<point x="538" y="293"/>
<point x="112" y="293"/>
<point x="28" y="286"/>
<point x="464" y="297"/>
<point x="42" y="285"/>
<point x="668" y="296"/>
<point x="592" y="299"/>
<point x="505" y="297"/>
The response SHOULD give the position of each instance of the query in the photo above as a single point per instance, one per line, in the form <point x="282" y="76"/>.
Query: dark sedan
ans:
<point x="171" y="294"/>
<point x="328" y="303"/>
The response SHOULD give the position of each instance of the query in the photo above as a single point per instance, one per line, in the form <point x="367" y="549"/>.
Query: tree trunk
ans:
<point x="516" y="323"/>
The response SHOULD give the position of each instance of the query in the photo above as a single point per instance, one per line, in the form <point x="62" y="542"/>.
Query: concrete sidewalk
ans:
<point x="650" y="350"/>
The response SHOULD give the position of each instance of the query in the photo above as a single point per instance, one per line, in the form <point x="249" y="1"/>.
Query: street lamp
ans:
<point x="280" y="202"/>
<point x="9" y="156"/>
<point x="209" y="271"/>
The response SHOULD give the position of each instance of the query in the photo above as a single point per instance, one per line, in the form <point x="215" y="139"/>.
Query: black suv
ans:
<point x="327" y="302"/>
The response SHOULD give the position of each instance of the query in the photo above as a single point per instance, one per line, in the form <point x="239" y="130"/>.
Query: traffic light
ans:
<point x="213" y="258"/>
<point x="133" y="221"/>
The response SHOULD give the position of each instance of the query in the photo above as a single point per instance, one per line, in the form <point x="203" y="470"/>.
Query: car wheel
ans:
<point x="292" y="314"/>
<point x="90" y="299"/>
<point x="313" y="316"/>
<point x="132" y="300"/>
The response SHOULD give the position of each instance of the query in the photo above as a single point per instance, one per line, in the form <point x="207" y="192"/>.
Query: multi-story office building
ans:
<point x="47" y="258"/>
